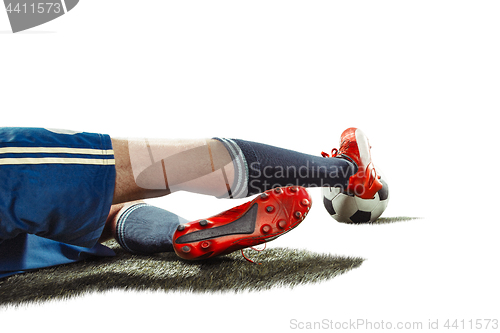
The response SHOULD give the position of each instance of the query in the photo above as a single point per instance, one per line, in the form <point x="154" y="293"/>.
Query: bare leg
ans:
<point x="125" y="187"/>
<point x="152" y="168"/>
<point x="109" y="231"/>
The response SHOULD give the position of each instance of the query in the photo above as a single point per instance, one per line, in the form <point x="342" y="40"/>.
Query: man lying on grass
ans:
<point x="63" y="193"/>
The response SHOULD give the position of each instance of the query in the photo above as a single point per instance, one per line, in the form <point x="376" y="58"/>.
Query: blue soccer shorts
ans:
<point x="56" y="190"/>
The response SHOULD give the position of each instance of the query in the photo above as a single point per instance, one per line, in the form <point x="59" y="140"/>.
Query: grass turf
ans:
<point x="280" y="267"/>
<point x="385" y="220"/>
<point x="165" y="271"/>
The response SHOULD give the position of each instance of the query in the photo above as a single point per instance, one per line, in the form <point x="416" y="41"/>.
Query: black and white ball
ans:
<point x="352" y="209"/>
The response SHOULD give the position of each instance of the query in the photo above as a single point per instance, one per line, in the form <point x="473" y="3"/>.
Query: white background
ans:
<point x="421" y="78"/>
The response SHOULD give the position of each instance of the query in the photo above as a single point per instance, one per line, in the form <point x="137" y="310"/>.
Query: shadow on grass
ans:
<point x="280" y="267"/>
<point x="385" y="220"/>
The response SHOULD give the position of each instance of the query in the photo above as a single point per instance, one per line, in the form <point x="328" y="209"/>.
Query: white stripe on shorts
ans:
<point x="100" y="156"/>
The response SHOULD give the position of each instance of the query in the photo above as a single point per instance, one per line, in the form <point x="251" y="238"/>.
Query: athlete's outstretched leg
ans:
<point x="226" y="168"/>
<point x="144" y="229"/>
<point x="219" y="167"/>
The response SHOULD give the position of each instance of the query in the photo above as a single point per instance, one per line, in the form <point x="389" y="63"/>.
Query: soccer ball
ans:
<point x="352" y="209"/>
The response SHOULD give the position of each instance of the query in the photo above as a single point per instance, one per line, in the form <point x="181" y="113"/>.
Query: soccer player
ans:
<point x="63" y="193"/>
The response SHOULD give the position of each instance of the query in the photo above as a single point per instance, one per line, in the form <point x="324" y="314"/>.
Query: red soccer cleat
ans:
<point x="354" y="147"/>
<point x="268" y="216"/>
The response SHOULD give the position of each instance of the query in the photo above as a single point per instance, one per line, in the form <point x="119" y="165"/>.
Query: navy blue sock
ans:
<point x="260" y="167"/>
<point x="146" y="229"/>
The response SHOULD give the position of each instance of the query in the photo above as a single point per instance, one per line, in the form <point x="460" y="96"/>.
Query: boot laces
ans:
<point x="255" y="249"/>
<point x="335" y="152"/>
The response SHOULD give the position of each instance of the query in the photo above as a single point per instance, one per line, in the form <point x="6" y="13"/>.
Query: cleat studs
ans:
<point x="181" y="227"/>
<point x="269" y="209"/>
<point x="298" y="214"/>
<point x="305" y="202"/>
<point x="278" y="190"/>
<point x="294" y="189"/>
<point x="186" y="249"/>
<point x="266" y="228"/>
<point x="282" y="224"/>
<point x="264" y="196"/>
<point x="203" y="223"/>
<point x="205" y="245"/>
